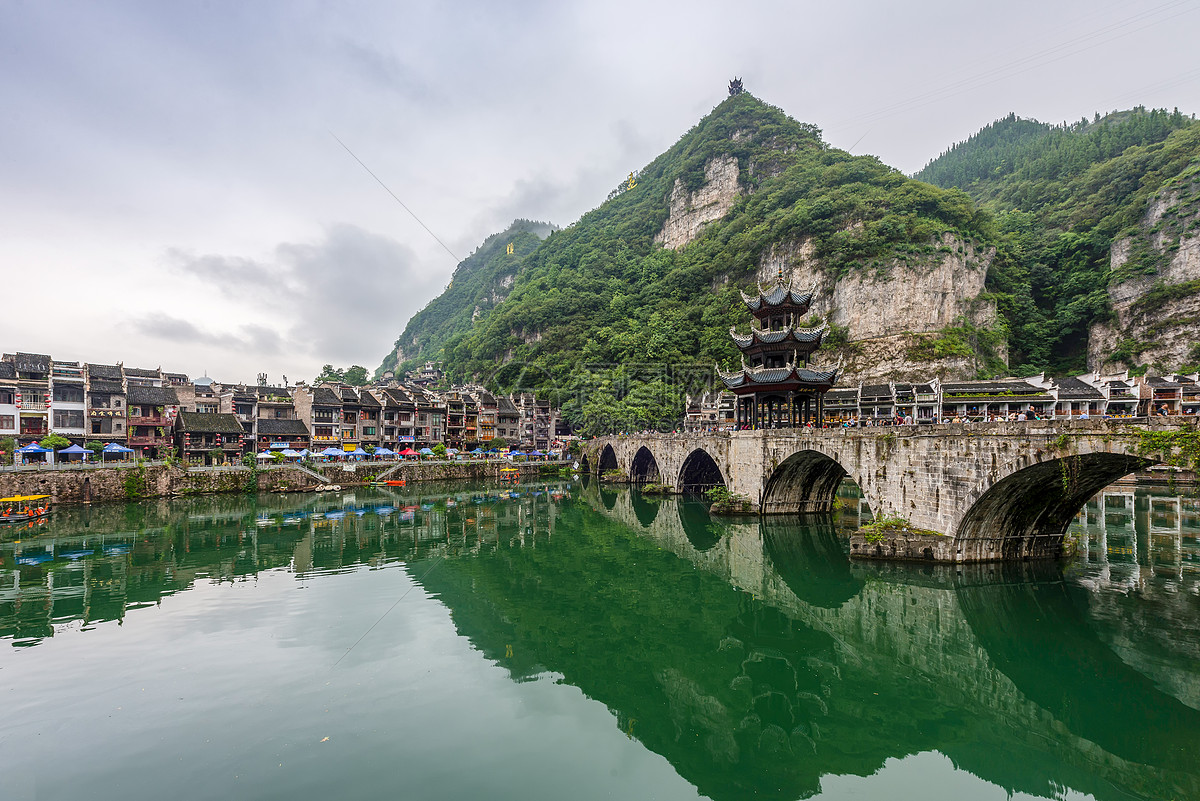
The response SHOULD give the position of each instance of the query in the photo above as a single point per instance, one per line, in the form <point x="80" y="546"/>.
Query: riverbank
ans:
<point x="160" y="480"/>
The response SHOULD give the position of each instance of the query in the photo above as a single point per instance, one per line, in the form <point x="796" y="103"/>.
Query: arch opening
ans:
<point x="699" y="474"/>
<point x="810" y="558"/>
<point x="806" y="481"/>
<point x="644" y="469"/>
<point x="608" y="459"/>
<point x="1025" y="514"/>
<point x="698" y="525"/>
<point x="585" y="465"/>
<point x="644" y="509"/>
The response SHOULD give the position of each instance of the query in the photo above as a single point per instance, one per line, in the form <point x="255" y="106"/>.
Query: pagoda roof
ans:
<point x="767" y="376"/>
<point x="786" y="335"/>
<point x="779" y="294"/>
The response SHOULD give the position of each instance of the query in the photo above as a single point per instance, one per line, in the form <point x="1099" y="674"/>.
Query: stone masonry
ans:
<point x="993" y="491"/>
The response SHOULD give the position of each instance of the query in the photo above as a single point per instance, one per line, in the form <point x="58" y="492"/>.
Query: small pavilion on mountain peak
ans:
<point x="776" y="387"/>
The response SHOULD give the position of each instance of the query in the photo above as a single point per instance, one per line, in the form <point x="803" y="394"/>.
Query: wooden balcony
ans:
<point x="150" y="420"/>
<point x="148" y="441"/>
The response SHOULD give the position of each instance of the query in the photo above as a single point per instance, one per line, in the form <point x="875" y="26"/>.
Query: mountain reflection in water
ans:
<point x="751" y="654"/>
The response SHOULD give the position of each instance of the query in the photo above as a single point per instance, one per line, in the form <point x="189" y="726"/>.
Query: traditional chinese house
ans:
<point x="776" y="388"/>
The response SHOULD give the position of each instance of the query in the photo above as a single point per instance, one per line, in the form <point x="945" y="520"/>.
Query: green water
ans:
<point x="573" y="643"/>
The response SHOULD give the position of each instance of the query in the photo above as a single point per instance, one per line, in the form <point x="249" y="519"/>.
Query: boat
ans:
<point x="20" y="508"/>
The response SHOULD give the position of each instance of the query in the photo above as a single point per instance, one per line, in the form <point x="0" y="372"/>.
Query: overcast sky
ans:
<point x="172" y="192"/>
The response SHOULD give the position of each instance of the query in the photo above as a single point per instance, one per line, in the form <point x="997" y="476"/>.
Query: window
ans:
<point x="368" y="431"/>
<point x="72" y="418"/>
<point x="8" y="421"/>
<point x="68" y="393"/>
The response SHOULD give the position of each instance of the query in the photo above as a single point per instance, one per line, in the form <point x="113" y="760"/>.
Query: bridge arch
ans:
<point x="644" y="509"/>
<point x="1026" y="513"/>
<point x="806" y="481"/>
<point x="585" y="464"/>
<point x="699" y="473"/>
<point x="644" y="468"/>
<point x="607" y="460"/>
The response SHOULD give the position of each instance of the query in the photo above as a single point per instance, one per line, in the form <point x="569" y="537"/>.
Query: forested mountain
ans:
<point x="641" y="280"/>
<point x="1062" y="196"/>
<point x="480" y="282"/>
<point x="1006" y="262"/>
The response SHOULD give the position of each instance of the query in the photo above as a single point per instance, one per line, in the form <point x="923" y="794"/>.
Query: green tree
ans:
<point x="7" y="446"/>
<point x="54" y="441"/>
<point x="356" y="376"/>
<point x="328" y="373"/>
<point x="95" y="447"/>
<point x="497" y="442"/>
<point x="439" y="450"/>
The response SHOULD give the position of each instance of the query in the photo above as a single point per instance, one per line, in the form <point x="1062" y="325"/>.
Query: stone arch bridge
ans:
<point x="991" y="491"/>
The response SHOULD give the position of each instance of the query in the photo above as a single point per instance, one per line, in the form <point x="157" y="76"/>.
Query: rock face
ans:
<point x="1152" y="326"/>
<point x="885" y="309"/>
<point x="690" y="211"/>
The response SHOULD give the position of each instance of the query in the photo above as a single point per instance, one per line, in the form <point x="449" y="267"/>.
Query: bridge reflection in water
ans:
<point x="752" y="654"/>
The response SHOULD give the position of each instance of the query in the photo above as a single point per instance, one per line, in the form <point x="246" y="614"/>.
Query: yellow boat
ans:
<point x="19" y="508"/>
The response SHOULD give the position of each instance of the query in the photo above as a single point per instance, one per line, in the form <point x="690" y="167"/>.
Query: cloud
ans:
<point x="255" y="338"/>
<point x="342" y="299"/>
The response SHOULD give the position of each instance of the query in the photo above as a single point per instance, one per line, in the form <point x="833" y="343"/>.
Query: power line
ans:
<point x="393" y="194"/>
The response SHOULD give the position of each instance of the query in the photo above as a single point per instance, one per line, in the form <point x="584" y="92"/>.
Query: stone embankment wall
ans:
<point x="160" y="480"/>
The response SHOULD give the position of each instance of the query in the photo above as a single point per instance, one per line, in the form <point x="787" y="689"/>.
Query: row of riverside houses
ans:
<point x="1092" y="395"/>
<point x="157" y="413"/>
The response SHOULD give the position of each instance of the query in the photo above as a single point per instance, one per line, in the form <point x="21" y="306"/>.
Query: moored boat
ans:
<point x="20" y="508"/>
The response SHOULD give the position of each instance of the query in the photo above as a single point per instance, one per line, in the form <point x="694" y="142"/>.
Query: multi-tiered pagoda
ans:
<point x="775" y="387"/>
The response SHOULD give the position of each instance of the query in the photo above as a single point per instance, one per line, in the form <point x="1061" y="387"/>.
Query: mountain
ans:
<point x="479" y="283"/>
<point x="648" y="282"/>
<point x="1098" y="263"/>
<point x="1028" y="247"/>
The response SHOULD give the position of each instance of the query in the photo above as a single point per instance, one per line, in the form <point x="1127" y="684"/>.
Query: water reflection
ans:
<point x="752" y="655"/>
<point x="91" y="565"/>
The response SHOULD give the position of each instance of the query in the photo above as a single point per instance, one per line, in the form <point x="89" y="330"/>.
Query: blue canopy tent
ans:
<point x="358" y="452"/>
<point x="452" y="451"/>
<point x="332" y="452"/>
<point x="115" y="449"/>
<point x="33" y="447"/>
<point x="75" y="450"/>
<point x="288" y="453"/>
<point x="426" y="452"/>
<point x="384" y="452"/>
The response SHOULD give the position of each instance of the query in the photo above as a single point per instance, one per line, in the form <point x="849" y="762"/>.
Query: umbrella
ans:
<point x="384" y="452"/>
<point x="359" y="452"/>
<point x="266" y="455"/>
<point x="477" y="450"/>
<point x="305" y="452"/>
<point x="33" y="447"/>
<point x="427" y="451"/>
<point x="332" y="452"/>
<point x="452" y="450"/>
<point x="535" y="452"/>
<point x="289" y="453"/>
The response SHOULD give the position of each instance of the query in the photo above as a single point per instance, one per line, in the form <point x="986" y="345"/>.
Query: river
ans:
<point x="566" y="640"/>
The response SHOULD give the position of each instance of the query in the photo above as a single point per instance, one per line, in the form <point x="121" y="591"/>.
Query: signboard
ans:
<point x="406" y="439"/>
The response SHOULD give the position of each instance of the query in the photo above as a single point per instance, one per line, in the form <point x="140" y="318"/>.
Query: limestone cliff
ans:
<point x="893" y="316"/>
<point x="690" y="211"/>
<point x="1156" y="294"/>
